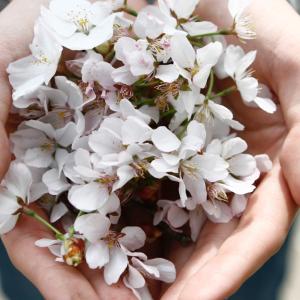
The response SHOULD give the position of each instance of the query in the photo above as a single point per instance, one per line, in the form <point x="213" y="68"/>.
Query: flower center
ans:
<point x="83" y="24"/>
<point x="215" y="192"/>
<point x="42" y="59"/>
<point x="195" y="70"/>
<point x="204" y="114"/>
<point x="48" y="146"/>
<point x="112" y="239"/>
<point x="189" y="168"/>
<point x="80" y="19"/>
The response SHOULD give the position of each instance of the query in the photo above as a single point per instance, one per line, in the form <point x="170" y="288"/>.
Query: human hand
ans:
<point x="54" y="280"/>
<point x="226" y="255"/>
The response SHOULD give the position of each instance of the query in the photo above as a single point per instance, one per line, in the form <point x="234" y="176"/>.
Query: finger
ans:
<point x="261" y="232"/>
<point x="14" y="44"/>
<point x="209" y="242"/>
<point x="290" y="156"/>
<point x="53" y="279"/>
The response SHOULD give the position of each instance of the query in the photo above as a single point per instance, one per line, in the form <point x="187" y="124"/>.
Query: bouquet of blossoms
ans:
<point x="117" y="108"/>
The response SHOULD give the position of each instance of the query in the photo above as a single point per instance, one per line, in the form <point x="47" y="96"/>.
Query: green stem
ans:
<point x="142" y="83"/>
<point x="130" y="11"/>
<point x="223" y="93"/>
<point x="143" y="102"/>
<point x="110" y="56"/>
<point x="211" y="84"/>
<point x="40" y="219"/>
<point x="183" y="130"/>
<point x="196" y="43"/>
<point x="81" y="213"/>
<point x="168" y="113"/>
<point x="219" y="32"/>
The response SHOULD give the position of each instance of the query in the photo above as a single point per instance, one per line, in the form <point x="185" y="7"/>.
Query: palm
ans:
<point x="222" y="258"/>
<point x="55" y="281"/>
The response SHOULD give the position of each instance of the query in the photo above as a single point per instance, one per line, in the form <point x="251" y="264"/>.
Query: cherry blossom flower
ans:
<point x="14" y="190"/>
<point x="242" y="23"/>
<point x="78" y="24"/>
<point x="195" y="66"/>
<point x="236" y="66"/>
<point x="27" y="74"/>
<point x="158" y="269"/>
<point x="137" y="60"/>
<point x="152" y="22"/>
<point x="183" y="9"/>
<point x="107" y="248"/>
<point x="35" y="142"/>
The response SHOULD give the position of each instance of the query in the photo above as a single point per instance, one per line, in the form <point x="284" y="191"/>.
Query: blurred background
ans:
<point x="278" y="280"/>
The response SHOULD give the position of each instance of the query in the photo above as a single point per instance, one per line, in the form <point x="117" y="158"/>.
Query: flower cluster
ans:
<point x="116" y="111"/>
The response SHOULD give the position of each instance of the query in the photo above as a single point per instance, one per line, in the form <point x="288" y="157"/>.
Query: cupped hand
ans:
<point x="226" y="255"/>
<point x="54" y="280"/>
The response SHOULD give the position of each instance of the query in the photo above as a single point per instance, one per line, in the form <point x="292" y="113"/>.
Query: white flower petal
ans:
<point x="197" y="188"/>
<point x="167" y="271"/>
<point x="198" y="28"/>
<point x="238" y="187"/>
<point x="44" y="243"/>
<point x="233" y="147"/>
<point x="135" y="279"/>
<point x="88" y="197"/>
<point x="182" y="51"/>
<point x="177" y="216"/>
<point x="117" y="264"/>
<point x="248" y="88"/>
<point x="233" y="56"/>
<point x="125" y="174"/>
<point x="167" y="73"/>
<point x="264" y="163"/>
<point x="242" y="165"/>
<point x="8" y="202"/>
<point x="111" y="205"/>
<point x="219" y="212"/>
<point x="38" y="158"/>
<point x="55" y="182"/>
<point x="92" y="226"/>
<point x="18" y="180"/>
<point x="58" y="211"/>
<point x="237" y="7"/>
<point x="165" y="140"/>
<point x="266" y="104"/>
<point x="97" y="255"/>
<point x="238" y="204"/>
<point x="134" y="238"/>
<point x="162" y="166"/>
<point x="7" y="223"/>
<point x="209" y="54"/>
<point x="134" y="131"/>
<point x="184" y="8"/>
<point x="197" y="220"/>
<point x="127" y="110"/>
<point x="212" y="167"/>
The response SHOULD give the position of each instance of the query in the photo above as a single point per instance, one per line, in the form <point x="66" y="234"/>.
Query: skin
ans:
<point x="225" y="255"/>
